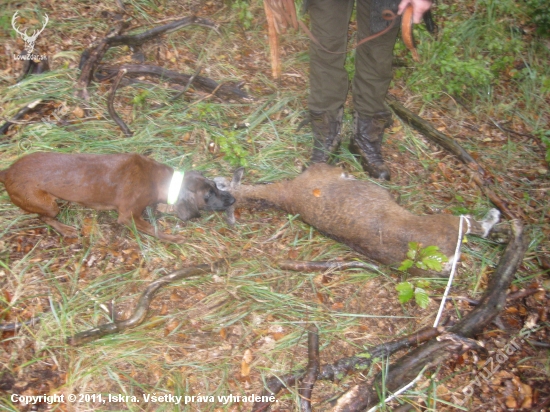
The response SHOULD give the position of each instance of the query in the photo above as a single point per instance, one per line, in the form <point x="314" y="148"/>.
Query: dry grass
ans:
<point x="198" y="330"/>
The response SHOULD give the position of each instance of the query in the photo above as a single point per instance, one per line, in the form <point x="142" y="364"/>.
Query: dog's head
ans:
<point x="199" y="193"/>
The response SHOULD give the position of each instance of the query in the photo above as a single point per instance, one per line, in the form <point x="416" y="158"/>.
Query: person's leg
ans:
<point x="373" y="74"/>
<point x="328" y="79"/>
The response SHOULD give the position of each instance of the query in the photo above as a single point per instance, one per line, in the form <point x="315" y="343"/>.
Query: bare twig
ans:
<point x="15" y="326"/>
<point x="90" y="59"/>
<point x="188" y="85"/>
<point x="305" y="266"/>
<point x="312" y="369"/>
<point x="22" y="112"/>
<point x="110" y="104"/>
<point x="142" y="306"/>
<point x="224" y="90"/>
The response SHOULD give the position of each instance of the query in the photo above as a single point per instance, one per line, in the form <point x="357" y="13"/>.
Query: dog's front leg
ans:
<point x="147" y="228"/>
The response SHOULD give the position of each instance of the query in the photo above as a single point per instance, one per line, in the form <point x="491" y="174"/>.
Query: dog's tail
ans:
<point x="3" y="175"/>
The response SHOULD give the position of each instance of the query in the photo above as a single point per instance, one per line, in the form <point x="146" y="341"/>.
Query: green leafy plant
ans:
<point x="243" y="13"/>
<point x="234" y="152"/>
<point x="140" y="98"/>
<point x="545" y="137"/>
<point x="428" y="258"/>
<point x="539" y="13"/>
<point x="406" y="291"/>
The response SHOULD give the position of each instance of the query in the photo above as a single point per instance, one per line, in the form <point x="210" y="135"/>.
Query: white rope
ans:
<point x="400" y="391"/>
<point x="453" y="269"/>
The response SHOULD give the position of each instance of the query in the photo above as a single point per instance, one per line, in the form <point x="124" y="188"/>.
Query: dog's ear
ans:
<point x="192" y="181"/>
<point x="237" y="177"/>
<point x="186" y="206"/>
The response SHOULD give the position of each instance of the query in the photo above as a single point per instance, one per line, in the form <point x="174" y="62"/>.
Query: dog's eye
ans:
<point x="208" y="194"/>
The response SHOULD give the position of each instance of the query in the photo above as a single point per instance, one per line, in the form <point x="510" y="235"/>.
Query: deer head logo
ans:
<point x="29" y="40"/>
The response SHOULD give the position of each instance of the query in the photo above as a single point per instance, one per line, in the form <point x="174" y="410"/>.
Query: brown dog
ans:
<point x="127" y="183"/>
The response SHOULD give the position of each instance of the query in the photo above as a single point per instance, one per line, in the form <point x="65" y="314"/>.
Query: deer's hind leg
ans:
<point x="483" y="227"/>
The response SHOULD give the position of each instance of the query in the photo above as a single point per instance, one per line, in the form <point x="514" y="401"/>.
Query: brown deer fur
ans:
<point x="359" y="213"/>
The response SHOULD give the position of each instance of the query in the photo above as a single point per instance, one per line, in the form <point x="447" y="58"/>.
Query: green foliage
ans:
<point x="245" y="16"/>
<point x="468" y="56"/>
<point x="5" y="25"/>
<point x="406" y="291"/>
<point x="545" y="137"/>
<point x="234" y="152"/>
<point x="429" y="258"/>
<point x="539" y="12"/>
<point x="139" y="99"/>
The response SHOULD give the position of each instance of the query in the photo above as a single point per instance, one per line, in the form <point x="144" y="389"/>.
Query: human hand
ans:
<point x="419" y="8"/>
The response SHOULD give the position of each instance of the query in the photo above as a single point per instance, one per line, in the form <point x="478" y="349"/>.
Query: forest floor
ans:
<point x="223" y="334"/>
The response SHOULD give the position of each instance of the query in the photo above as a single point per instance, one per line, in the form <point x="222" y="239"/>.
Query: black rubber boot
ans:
<point x="367" y="142"/>
<point x="326" y="135"/>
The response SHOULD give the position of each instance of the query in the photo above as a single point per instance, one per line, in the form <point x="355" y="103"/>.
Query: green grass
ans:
<point x="198" y="330"/>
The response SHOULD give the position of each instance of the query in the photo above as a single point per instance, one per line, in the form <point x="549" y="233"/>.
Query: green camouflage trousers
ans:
<point x="373" y="60"/>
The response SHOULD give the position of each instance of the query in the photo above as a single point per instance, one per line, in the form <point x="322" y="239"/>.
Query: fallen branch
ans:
<point x="188" y="85"/>
<point x="139" y="39"/>
<point x="110" y="104"/>
<point x="436" y="351"/>
<point x="92" y="56"/>
<point x="142" y="306"/>
<point x="434" y="135"/>
<point x="520" y="294"/>
<point x="89" y="60"/>
<point x="310" y="266"/>
<point x="342" y="367"/>
<point x="312" y="369"/>
<point x="15" y="326"/>
<point x="226" y="90"/>
<point x="31" y="107"/>
<point x="476" y="171"/>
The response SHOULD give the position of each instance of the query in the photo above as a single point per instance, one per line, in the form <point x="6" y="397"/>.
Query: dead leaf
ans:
<point x="317" y="192"/>
<point x="320" y="297"/>
<point x="170" y="326"/>
<point x="293" y="254"/>
<point x="168" y="358"/>
<point x="245" y="364"/>
<point x="337" y="306"/>
<point x="78" y="112"/>
<point x="511" y="402"/>
<point x="278" y="335"/>
<point x="528" y="397"/>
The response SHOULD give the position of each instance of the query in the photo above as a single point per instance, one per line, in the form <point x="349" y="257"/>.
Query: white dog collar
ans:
<point x="175" y="186"/>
